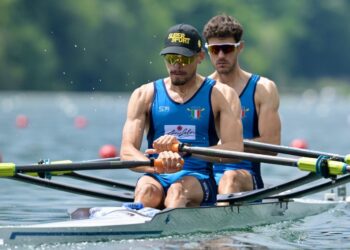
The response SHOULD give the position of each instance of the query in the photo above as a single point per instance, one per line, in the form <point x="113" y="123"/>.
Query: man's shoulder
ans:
<point x="213" y="76"/>
<point x="266" y="90"/>
<point x="223" y="90"/>
<point x="145" y="87"/>
<point x="220" y="86"/>
<point x="266" y="82"/>
<point x="144" y="92"/>
<point x="266" y="86"/>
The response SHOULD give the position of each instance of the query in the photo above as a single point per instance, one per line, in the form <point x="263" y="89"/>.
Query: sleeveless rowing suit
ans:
<point x="250" y="130"/>
<point x="191" y="122"/>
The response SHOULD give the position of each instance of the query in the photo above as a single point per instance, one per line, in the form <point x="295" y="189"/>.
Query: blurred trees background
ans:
<point x="109" y="45"/>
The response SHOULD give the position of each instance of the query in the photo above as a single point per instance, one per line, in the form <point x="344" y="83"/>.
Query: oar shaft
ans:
<point x="290" y="150"/>
<point x="314" y="189"/>
<point x="303" y="163"/>
<point x="266" y="192"/>
<point x="101" y="181"/>
<point x="101" y="194"/>
<point x="240" y="155"/>
<point x="10" y="169"/>
<point x="103" y="159"/>
<point x="81" y="166"/>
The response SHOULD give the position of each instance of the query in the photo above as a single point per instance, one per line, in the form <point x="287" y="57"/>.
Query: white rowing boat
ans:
<point x="242" y="212"/>
<point x="124" y="223"/>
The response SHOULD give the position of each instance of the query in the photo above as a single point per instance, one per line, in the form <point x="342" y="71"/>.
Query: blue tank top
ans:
<point x="249" y="114"/>
<point x="191" y="122"/>
<point x="250" y="130"/>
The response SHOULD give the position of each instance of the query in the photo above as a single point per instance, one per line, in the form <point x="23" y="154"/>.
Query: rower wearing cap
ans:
<point x="183" y="107"/>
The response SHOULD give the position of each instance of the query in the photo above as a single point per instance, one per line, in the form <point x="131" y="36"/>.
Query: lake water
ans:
<point x="322" y="118"/>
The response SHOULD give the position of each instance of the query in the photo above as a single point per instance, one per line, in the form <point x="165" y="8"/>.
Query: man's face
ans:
<point x="223" y="53"/>
<point x="181" y="69"/>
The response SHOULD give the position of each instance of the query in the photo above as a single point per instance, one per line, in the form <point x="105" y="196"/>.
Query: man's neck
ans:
<point x="182" y="93"/>
<point x="236" y="79"/>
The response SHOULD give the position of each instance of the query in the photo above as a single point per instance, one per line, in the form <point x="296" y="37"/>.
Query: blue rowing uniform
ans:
<point x="191" y="122"/>
<point x="250" y="130"/>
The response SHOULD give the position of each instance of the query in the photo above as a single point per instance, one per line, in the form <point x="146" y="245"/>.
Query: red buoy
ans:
<point x="108" y="151"/>
<point x="22" y="121"/>
<point x="299" y="143"/>
<point x="80" y="122"/>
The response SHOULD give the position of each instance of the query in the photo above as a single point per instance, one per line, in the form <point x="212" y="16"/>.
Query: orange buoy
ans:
<point x="22" y="121"/>
<point x="80" y="122"/>
<point x="108" y="151"/>
<point x="299" y="143"/>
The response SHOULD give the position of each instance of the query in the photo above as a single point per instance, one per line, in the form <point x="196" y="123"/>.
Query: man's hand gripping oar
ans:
<point x="171" y="160"/>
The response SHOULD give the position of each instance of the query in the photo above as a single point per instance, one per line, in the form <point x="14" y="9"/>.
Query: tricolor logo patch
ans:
<point x="196" y="113"/>
<point x="244" y="111"/>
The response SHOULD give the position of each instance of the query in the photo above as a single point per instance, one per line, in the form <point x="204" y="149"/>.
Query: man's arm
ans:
<point x="227" y="115"/>
<point x="228" y="118"/>
<point x="269" y="123"/>
<point x="134" y="126"/>
<point x="136" y="122"/>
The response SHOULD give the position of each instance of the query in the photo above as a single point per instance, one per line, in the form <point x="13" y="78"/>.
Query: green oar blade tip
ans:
<point x="347" y="159"/>
<point x="334" y="167"/>
<point x="7" y="169"/>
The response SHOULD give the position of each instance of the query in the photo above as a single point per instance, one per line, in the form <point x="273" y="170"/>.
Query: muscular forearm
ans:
<point x="129" y="153"/>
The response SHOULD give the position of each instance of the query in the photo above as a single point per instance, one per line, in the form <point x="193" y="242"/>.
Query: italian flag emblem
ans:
<point x="196" y="112"/>
<point x="244" y="111"/>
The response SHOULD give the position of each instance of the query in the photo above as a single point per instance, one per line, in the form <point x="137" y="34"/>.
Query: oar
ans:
<point x="90" y="178"/>
<point x="314" y="189"/>
<point x="10" y="169"/>
<point x="101" y="181"/>
<point x="303" y="163"/>
<point x="102" y="159"/>
<point x="267" y="192"/>
<point x="294" y="151"/>
<point x="111" y="195"/>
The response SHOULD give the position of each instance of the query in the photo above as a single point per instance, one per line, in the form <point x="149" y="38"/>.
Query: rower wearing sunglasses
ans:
<point x="182" y="107"/>
<point x="259" y="100"/>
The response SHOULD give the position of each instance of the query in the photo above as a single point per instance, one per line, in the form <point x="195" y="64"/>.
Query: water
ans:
<point x="321" y="118"/>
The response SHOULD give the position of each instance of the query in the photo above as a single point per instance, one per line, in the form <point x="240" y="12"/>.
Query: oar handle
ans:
<point x="161" y="169"/>
<point x="176" y="147"/>
<point x="181" y="148"/>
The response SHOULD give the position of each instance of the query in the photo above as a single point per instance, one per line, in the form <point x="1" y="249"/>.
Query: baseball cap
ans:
<point x="182" y="39"/>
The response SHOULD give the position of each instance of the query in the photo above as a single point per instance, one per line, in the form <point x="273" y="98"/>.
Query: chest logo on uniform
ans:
<point x="187" y="132"/>
<point x="163" y="109"/>
<point x="196" y="112"/>
<point x="244" y="112"/>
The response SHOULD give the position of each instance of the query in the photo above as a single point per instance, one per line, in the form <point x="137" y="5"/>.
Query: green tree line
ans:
<point x="110" y="45"/>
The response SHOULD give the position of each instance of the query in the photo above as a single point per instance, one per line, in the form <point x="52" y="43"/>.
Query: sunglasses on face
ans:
<point x="225" y="48"/>
<point x="180" y="59"/>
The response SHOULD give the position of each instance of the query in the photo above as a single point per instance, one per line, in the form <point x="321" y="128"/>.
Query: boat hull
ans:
<point x="128" y="224"/>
